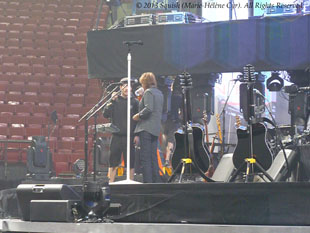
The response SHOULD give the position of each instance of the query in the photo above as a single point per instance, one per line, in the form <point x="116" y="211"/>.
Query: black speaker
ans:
<point x="28" y="192"/>
<point x="58" y="210"/>
<point x="259" y="101"/>
<point x="300" y="106"/>
<point x="201" y="102"/>
<point x="39" y="159"/>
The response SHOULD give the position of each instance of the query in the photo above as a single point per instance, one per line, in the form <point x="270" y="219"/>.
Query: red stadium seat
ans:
<point x="61" y="167"/>
<point x="4" y="133"/>
<point x="30" y="99"/>
<point x="77" y="101"/>
<point x="50" y="88"/>
<point x="56" y="52"/>
<point x="78" y="146"/>
<point x="18" y="120"/>
<point x="53" y="69"/>
<point x="80" y="90"/>
<point x="16" y="87"/>
<point x="24" y="110"/>
<point x="14" y="99"/>
<point x="39" y="68"/>
<point x="17" y="133"/>
<point x="63" y="90"/>
<point x="64" y="146"/>
<point x="32" y="132"/>
<point x="73" y="112"/>
<point x="69" y="122"/>
<point x="41" y="44"/>
<point x="25" y="68"/>
<point x="60" y="158"/>
<point x="37" y="122"/>
<point x="5" y="121"/>
<point x="67" y="133"/>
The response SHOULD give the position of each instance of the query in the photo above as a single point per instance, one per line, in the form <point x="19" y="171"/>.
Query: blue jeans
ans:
<point x="148" y="157"/>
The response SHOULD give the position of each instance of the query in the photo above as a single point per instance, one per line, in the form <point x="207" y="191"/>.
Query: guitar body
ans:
<point x="201" y="154"/>
<point x="261" y="151"/>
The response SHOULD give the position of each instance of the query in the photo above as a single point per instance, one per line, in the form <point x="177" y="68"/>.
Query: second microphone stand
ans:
<point x="93" y="111"/>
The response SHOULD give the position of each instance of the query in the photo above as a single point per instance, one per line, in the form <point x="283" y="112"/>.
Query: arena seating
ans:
<point x="44" y="68"/>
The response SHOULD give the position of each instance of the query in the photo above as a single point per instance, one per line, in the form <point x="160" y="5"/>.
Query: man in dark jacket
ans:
<point x="116" y="110"/>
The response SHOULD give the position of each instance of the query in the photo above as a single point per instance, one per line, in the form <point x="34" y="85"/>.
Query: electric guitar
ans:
<point x="238" y="122"/>
<point x="218" y="135"/>
<point x="252" y="141"/>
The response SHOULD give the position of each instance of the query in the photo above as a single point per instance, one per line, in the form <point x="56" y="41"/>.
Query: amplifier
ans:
<point x="58" y="210"/>
<point x="139" y="20"/>
<point x="177" y="18"/>
<point x="29" y="192"/>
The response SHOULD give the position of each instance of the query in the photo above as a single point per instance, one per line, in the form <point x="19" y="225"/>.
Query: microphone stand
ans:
<point x="86" y="133"/>
<point x="223" y="112"/>
<point x="129" y="44"/>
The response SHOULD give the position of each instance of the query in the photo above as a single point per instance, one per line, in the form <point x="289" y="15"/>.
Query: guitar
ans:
<point x="218" y="135"/>
<point x="252" y="142"/>
<point x="190" y="141"/>
<point x="238" y="122"/>
<point x="218" y="123"/>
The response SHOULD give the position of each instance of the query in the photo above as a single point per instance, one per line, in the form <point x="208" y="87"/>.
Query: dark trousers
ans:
<point x="148" y="157"/>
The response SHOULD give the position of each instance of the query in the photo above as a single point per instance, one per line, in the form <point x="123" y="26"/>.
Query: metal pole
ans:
<point x="128" y="114"/>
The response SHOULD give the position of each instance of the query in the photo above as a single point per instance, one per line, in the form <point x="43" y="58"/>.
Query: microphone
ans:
<point x="239" y="78"/>
<point x="304" y="88"/>
<point x="294" y="89"/>
<point x="133" y="42"/>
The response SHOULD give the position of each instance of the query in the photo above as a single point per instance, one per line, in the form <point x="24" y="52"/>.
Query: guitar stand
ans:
<point x="249" y="176"/>
<point x="183" y="163"/>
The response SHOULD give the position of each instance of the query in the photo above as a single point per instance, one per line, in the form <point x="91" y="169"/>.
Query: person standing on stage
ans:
<point x="148" y="127"/>
<point x="116" y="110"/>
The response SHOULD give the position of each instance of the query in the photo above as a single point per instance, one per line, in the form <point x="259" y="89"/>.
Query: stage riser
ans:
<point x="262" y="204"/>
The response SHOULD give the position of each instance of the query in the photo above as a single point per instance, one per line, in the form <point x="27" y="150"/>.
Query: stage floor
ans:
<point x="218" y="207"/>
<point x="13" y="225"/>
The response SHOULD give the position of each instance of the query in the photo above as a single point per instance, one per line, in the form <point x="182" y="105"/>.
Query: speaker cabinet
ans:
<point x="29" y="192"/>
<point x="58" y="210"/>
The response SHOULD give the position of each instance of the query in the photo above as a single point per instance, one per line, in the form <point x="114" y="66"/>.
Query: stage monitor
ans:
<point x="28" y="192"/>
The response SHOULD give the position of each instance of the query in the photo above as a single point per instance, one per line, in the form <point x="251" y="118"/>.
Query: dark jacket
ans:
<point x="117" y="112"/>
<point x="150" y="112"/>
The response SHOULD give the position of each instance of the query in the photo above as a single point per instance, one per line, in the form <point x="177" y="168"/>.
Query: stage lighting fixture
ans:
<point x="39" y="163"/>
<point x="78" y="166"/>
<point x="275" y="82"/>
<point x="96" y="198"/>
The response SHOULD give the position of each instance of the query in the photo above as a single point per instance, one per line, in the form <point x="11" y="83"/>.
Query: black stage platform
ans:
<point x="215" y="203"/>
<point x="202" y="203"/>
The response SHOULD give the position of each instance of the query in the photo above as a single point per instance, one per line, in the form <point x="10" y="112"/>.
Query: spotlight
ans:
<point x="275" y="83"/>
<point x="96" y="198"/>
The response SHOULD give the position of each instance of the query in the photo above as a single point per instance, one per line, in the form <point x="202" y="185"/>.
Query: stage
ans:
<point x="13" y="225"/>
<point x="196" y="207"/>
